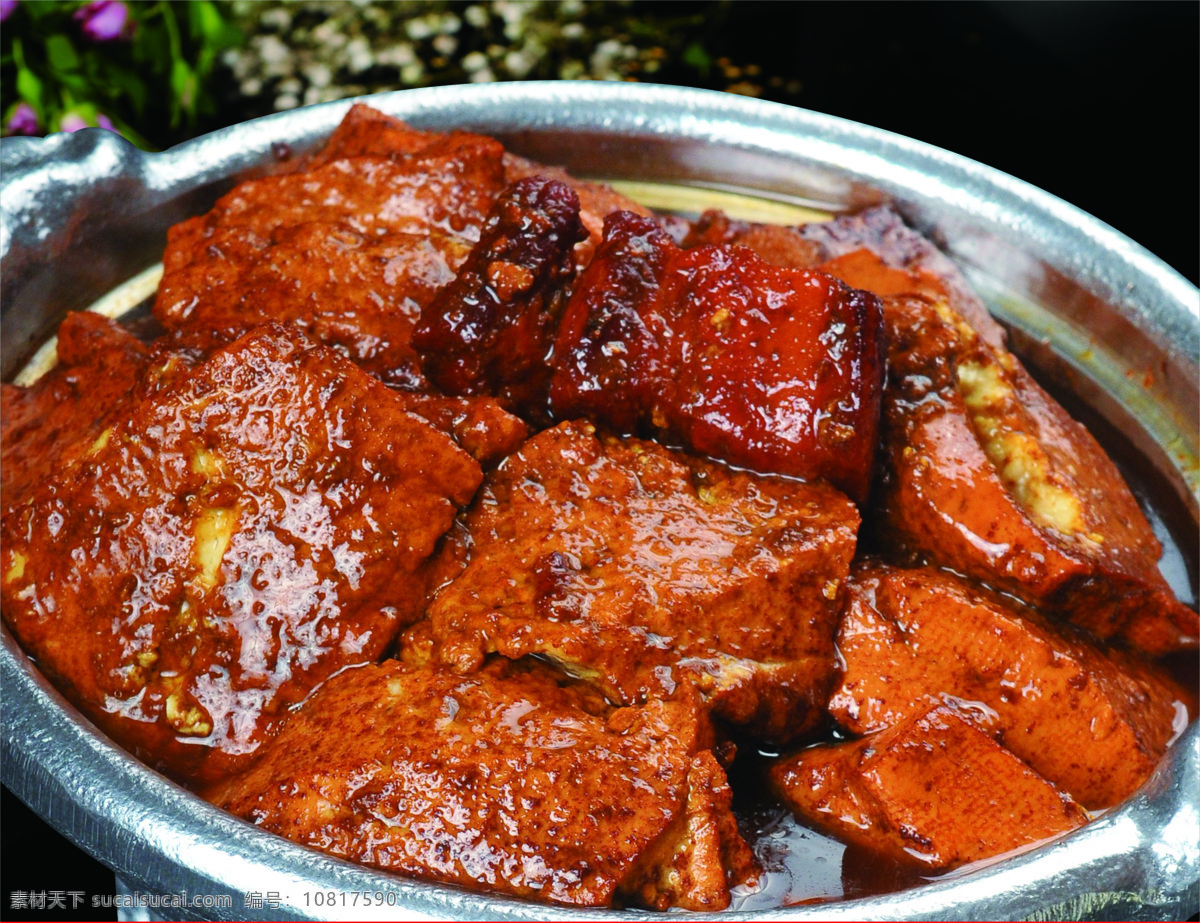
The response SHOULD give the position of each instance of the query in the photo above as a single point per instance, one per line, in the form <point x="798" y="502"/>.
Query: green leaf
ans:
<point x="75" y="81"/>
<point x="39" y="10"/>
<point x="183" y="84"/>
<point x="696" y="57"/>
<point x="152" y="47"/>
<point x="129" y="85"/>
<point x="29" y="88"/>
<point x="203" y="19"/>
<point x="61" y="53"/>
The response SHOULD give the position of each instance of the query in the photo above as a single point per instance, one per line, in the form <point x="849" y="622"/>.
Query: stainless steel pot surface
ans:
<point x="83" y="213"/>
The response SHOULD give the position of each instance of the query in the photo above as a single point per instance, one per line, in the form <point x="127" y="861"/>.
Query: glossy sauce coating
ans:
<point x="596" y="201"/>
<point x="47" y="425"/>
<point x="491" y="330"/>
<point x="639" y="569"/>
<point x="510" y="779"/>
<point x="873" y="250"/>
<point x="236" y="538"/>
<point x="771" y="369"/>
<point x="1093" y="722"/>
<point x="350" y="251"/>
<point x="933" y="790"/>
<point x="368" y="132"/>
<point x="986" y="474"/>
<point x="479" y="424"/>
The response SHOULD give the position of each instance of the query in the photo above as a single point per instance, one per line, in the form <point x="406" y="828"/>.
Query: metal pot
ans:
<point x="83" y="213"/>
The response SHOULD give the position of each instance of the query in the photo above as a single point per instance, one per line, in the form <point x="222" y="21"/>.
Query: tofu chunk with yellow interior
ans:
<point x="511" y="780"/>
<point x="1094" y="722"/>
<point x="243" y="532"/>
<point x="933" y="791"/>
<point x="638" y="569"/>
<point x="985" y="473"/>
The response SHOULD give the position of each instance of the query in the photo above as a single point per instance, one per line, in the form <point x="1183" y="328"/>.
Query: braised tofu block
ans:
<point x="510" y="780"/>
<point x="349" y="251"/>
<point x="640" y="569"/>
<point x="491" y="330"/>
<point x="1095" y="723"/>
<point x="933" y="791"/>
<point x="478" y="424"/>
<point x="45" y="426"/>
<point x="367" y="132"/>
<point x="986" y="474"/>
<point x="771" y="369"/>
<point x="876" y="251"/>
<point x="231" y="541"/>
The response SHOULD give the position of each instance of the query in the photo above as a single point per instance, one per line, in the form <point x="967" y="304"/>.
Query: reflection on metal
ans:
<point x="693" y="200"/>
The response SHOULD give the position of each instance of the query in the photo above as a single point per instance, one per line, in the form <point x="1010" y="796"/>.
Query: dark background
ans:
<point x="1096" y="103"/>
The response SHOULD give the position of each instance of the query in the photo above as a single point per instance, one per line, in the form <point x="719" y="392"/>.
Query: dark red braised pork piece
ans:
<point x="349" y="250"/>
<point x="491" y="330"/>
<point x="510" y="780"/>
<point x="876" y="793"/>
<point x="1095" y="723"/>
<point x="640" y="569"/>
<point x="772" y="369"/>
<point x="596" y="201"/>
<point x="873" y="250"/>
<point x="60" y="416"/>
<point x="246" y="530"/>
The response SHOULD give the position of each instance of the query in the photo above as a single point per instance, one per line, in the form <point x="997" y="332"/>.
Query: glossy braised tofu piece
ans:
<point x="491" y="330"/>
<point x="239" y="535"/>
<point x="1095" y="723"/>
<point x="47" y="425"/>
<point x="639" y="569"/>
<point x="873" y="250"/>
<point x="985" y="473"/>
<point x="350" y="250"/>
<point x="772" y="369"/>
<point x="366" y="131"/>
<point x="933" y="791"/>
<point x="510" y="780"/>
<point x="479" y="424"/>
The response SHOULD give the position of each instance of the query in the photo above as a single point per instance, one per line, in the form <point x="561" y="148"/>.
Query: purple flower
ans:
<point x="103" y="121"/>
<point x="72" y="122"/>
<point x="104" y="20"/>
<point x="6" y="8"/>
<point x="23" y="121"/>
